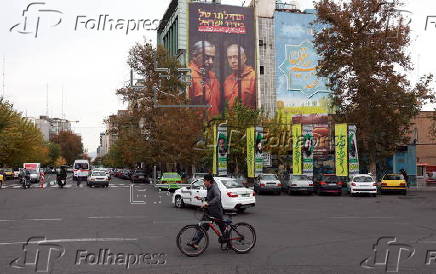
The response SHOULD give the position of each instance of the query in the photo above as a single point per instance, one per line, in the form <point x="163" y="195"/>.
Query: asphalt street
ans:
<point x="295" y="234"/>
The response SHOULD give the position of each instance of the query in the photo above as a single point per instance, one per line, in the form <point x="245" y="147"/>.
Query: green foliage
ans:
<point x="20" y="140"/>
<point x="364" y="55"/>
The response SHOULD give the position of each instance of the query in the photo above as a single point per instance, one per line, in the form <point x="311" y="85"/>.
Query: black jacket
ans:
<point x="213" y="199"/>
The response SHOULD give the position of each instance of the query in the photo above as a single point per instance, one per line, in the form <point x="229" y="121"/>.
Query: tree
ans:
<point x="152" y="134"/>
<point x="71" y="145"/>
<point x="20" y="140"/>
<point x="54" y="152"/>
<point x="60" y="161"/>
<point x="363" y="46"/>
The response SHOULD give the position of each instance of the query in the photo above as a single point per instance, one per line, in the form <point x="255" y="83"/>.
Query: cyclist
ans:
<point x="214" y="209"/>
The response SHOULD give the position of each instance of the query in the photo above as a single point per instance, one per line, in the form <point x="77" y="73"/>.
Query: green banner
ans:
<point x="214" y="170"/>
<point x="341" y="144"/>
<point x="308" y="148"/>
<point x="222" y="150"/>
<point x="353" y="154"/>
<point x="259" y="151"/>
<point x="250" y="152"/>
<point x="296" y="149"/>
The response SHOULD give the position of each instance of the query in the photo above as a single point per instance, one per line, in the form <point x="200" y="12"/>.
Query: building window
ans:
<point x="260" y="43"/>
<point x="262" y="71"/>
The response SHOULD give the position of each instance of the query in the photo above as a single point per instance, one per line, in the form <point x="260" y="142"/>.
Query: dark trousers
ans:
<point x="199" y="234"/>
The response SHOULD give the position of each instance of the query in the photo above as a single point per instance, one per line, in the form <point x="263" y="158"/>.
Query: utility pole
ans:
<point x="62" y="104"/>
<point x="46" y="100"/>
<point x="3" y="76"/>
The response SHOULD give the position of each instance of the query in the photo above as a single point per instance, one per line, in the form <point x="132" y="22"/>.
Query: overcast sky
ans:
<point x="89" y="65"/>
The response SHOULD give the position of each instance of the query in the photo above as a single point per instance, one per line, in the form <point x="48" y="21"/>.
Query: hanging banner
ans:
<point x="296" y="150"/>
<point x="250" y="152"/>
<point x="215" y="136"/>
<point x="259" y="151"/>
<point x="308" y="149"/>
<point x="341" y="145"/>
<point x="267" y="159"/>
<point x="353" y="155"/>
<point x="222" y="149"/>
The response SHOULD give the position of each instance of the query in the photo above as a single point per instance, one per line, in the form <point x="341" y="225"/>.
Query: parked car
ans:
<point x="8" y="173"/>
<point x="234" y="196"/>
<point x="393" y="183"/>
<point x="299" y="183"/>
<point x="139" y="176"/>
<point x="328" y="183"/>
<point x="2" y="178"/>
<point x="362" y="183"/>
<point x="173" y="180"/>
<point x="267" y="183"/>
<point x="98" y="178"/>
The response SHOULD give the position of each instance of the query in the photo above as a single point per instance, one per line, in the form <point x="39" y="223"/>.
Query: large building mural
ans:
<point x="299" y="90"/>
<point x="222" y="56"/>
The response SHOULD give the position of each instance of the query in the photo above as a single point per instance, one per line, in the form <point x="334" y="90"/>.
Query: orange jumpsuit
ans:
<point x="248" y="88"/>
<point x="211" y="90"/>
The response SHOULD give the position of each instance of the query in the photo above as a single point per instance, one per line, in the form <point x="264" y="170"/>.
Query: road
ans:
<point x="298" y="234"/>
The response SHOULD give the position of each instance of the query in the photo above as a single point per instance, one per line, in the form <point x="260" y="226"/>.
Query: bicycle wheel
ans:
<point x="186" y="235"/>
<point x="242" y="238"/>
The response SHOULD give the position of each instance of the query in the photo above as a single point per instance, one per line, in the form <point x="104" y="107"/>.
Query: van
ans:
<point x="81" y="169"/>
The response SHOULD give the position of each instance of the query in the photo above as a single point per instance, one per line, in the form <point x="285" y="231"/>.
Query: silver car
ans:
<point x="299" y="183"/>
<point x="267" y="183"/>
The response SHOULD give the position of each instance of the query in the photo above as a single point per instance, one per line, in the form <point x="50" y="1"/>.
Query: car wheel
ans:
<point x="179" y="202"/>
<point x="278" y="193"/>
<point x="289" y="192"/>
<point x="340" y="193"/>
<point x="405" y="192"/>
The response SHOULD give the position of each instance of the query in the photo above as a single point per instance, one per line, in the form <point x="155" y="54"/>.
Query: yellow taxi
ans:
<point x="8" y="173"/>
<point x="393" y="183"/>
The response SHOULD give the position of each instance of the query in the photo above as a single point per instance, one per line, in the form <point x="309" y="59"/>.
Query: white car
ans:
<point x="362" y="183"/>
<point x="234" y="196"/>
<point x="99" y="178"/>
<point x="268" y="183"/>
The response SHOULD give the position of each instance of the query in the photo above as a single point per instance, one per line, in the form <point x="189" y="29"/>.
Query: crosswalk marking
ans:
<point x="49" y="185"/>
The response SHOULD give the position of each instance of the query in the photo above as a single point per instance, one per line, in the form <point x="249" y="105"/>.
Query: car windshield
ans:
<point x="269" y="177"/>
<point x="171" y="176"/>
<point x="362" y="179"/>
<point x="32" y="171"/>
<point x="231" y="183"/>
<point x="81" y="166"/>
<point x="330" y="179"/>
<point x="393" y="177"/>
<point x="99" y="173"/>
<point x="300" y="177"/>
<point x="8" y="170"/>
<point x="139" y="173"/>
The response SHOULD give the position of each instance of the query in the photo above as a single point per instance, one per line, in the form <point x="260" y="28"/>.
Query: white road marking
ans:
<point x="55" y="219"/>
<point x="357" y="217"/>
<point x="77" y="240"/>
<point x="116" y="217"/>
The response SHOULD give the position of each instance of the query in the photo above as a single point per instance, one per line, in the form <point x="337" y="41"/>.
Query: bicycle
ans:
<point x="241" y="236"/>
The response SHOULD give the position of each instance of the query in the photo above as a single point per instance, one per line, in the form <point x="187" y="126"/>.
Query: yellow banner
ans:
<point x="296" y="149"/>
<point x="215" y="171"/>
<point x="341" y="144"/>
<point x="250" y="152"/>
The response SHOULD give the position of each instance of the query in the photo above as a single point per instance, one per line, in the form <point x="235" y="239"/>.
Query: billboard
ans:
<point x="221" y="56"/>
<point x="299" y="90"/>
